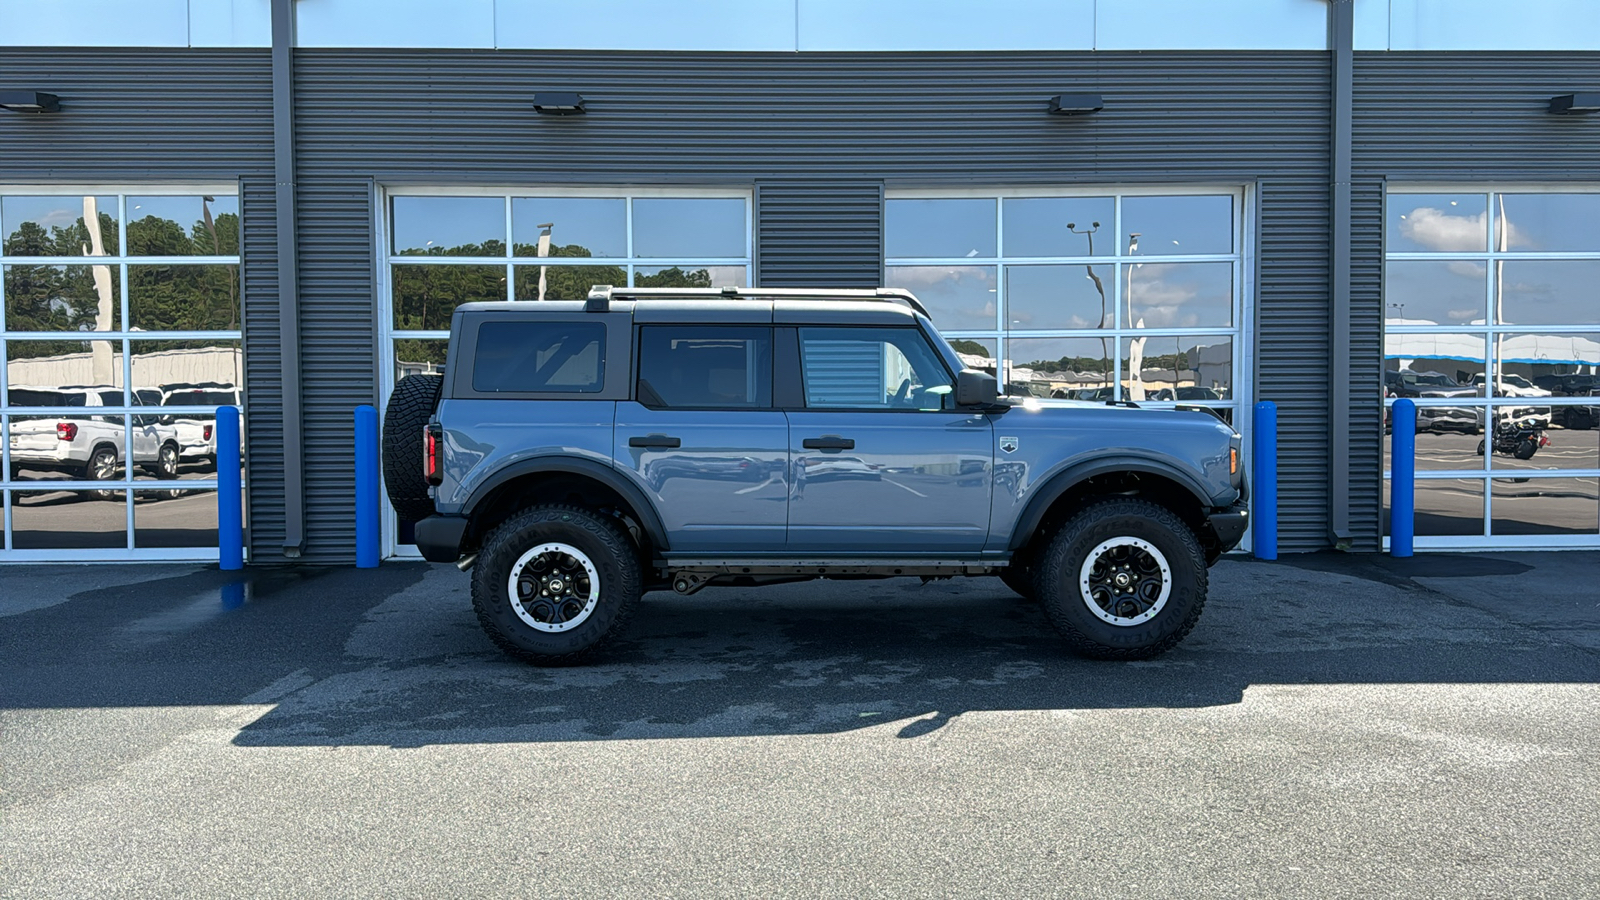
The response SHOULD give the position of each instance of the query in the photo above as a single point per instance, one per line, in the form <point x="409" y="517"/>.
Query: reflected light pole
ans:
<point x="1100" y="288"/>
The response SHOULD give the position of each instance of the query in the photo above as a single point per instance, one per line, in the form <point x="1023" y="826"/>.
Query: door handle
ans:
<point x="655" y="440"/>
<point x="828" y="442"/>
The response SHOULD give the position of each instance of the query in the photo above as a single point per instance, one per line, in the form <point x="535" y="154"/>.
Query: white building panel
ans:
<point x="230" y="23"/>
<point x="1494" y="25"/>
<point x="946" y="25"/>
<point x="395" y="23"/>
<point x="1212" y="25"/>
<point x="646" y="25"/>
<point x="94" y="23"/>
<point x="1372" y="24"/>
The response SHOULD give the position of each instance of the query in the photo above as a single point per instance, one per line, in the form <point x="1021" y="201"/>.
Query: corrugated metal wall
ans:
<point x="263" y="370"/>
<point x="815" y="132"/>
<point x="1460" y="117"/>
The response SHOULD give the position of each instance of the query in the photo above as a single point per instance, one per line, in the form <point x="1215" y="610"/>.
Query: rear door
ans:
<point x="702" y="438"/>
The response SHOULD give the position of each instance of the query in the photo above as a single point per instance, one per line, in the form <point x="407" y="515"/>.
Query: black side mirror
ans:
<point x="974" y="388"/>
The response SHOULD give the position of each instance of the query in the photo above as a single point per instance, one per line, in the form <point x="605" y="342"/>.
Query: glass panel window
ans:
<point x="63" y="298"/>
<point x="1179" y="295"/>
<point x="693" y="228"/>
<point x="184" y="298"/>
<point x="940" y="229"/>
<point x="183" y="226"/>
<point x="1548" y="291"/>
<point x="1064" y="368"/>
<point x="872" y="368"/>
<point x="449" y="226"/>
<point x="69" y="520"/>
<point x="59" y="226"/>
<point x="539" y="356"/>
<point x="426" y="296"/>
<point x="570" y="226"/>
<point x="39" y="373"/>
<point x="1447" y="439"/>
<point x="1433" y="366"/>
<point x="689" y="276"/>
<point x="419" y="357"/>
<point x="1545" y="506"/>
<point x="959" y="298"/>
<point x="1059" y="226"/>
<point x="565" y="282"/>
<point x="1437" y="223"/>
<point x="705" y="367"/>
<point x="1188" y="369"/>
<point x="1167" y="226"/>
<point x="175" y="518"/>
<point x="1452" y="294"/>
<point x="1060" y="297"/>
<point x="975" y="353"/>
<point x="1445" y="507"/>
<point x="1548" y="223"/>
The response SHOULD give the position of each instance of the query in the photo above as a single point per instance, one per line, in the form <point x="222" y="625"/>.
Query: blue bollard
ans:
<point x="230" y="493"/>
<point x="1403" y="478"/>
<point x="1265" y="453"/>
<point x="366" y="487"/>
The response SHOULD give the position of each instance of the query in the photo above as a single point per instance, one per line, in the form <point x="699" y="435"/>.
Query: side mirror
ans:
<point x="168" y="420"/>
<point x="974" y="388"/>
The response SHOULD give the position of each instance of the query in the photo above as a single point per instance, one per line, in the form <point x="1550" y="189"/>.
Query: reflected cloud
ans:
<point x="1436" y="229"/>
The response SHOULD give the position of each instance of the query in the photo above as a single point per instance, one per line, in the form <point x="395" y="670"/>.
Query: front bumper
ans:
<point x="439" y="538"/>
<point x="1227" y="526"/>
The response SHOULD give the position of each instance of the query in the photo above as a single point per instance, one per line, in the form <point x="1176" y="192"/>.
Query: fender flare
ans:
<point x="1051" y="490"/>
<point x="649" y="519"/>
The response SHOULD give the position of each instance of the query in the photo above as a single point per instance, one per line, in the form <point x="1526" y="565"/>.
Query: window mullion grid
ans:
<point x="628" y="217"/>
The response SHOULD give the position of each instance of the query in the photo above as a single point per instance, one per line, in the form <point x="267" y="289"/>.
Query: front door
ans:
<point x="702" y="439"/>
<point x="883" y="461"/>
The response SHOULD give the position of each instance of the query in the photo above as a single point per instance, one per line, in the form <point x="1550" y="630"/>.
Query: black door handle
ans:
<point x="828" y="442"/>
<point x="655" y="440"/>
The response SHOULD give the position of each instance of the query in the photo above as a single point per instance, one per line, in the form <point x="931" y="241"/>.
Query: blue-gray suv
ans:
<point x="575" y="455"/>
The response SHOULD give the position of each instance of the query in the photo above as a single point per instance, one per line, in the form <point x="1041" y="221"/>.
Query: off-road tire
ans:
<point x="1060" y="562"/>
<point x="598" y="537"/>
<point x="410" y="407"/>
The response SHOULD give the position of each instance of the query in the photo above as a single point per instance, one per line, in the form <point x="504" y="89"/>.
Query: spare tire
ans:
<point x="410" y="407"/>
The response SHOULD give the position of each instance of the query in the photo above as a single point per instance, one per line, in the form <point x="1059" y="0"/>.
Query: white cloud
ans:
<point x="1437" y="230"/>
<point x="1468" y="269"/>
<point x="1462" y="315"/>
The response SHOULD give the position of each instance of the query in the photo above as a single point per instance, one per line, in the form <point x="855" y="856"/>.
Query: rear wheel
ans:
<point x="102" y="466"/>
<point x="410" y="407"/>
<point x="554" y="583"/>
<point x="1527" y="449"/>
<point x="1123" y="579"/>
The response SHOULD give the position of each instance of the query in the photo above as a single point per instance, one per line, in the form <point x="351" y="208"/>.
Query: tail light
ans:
<point x="207" y="435"/>
<point x="67" y="431"/>
<point x="433" y="454"/>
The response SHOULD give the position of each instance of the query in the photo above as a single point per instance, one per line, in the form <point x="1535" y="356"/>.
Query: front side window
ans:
<point x="872" y="368"/>
<point x="705" y="367"/>
<point x="558" y="357"/>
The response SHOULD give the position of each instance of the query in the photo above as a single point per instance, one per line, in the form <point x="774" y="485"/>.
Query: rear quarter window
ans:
<point x="558" y="357"/>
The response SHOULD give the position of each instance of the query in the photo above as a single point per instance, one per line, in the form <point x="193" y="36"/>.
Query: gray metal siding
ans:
<point x="1461" y="117"/>
<point x="835" y="123"/>
<point x="263" y="371"/>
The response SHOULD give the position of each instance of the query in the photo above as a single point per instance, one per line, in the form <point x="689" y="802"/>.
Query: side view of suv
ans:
<point x="575" y="455"/>
<point x="88" y="446"/>
<point x="196" y="432"/>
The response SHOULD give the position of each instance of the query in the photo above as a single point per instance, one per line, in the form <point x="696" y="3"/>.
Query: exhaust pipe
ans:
<point x="467" y="562"/>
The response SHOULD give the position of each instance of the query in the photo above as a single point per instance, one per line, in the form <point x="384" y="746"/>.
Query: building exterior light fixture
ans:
<point x="1075" y="104"/>
<point x="1575" y="104"/>
<point x="29" y="102"/>
<point x="558" y="103"/>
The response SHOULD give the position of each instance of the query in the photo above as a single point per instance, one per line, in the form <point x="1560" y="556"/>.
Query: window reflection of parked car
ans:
<point x="1429" y="386"/>
<point x="197" y="438"/>
<point x="88" y="446"/>
<point x="1198" y="393"/>
<point x="1510" y="385"/>
<point x="1580" y="417"/>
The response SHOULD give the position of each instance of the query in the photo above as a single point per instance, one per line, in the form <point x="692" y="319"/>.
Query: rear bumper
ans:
<point x="439" y="538"/>
<point x="1227" y="526"/>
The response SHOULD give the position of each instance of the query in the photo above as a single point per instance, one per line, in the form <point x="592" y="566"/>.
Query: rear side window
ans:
<point x="559" y="357"/>
<point x="705" y="367"/>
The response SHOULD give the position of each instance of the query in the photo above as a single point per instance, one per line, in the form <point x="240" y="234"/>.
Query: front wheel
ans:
<point x="1123" y="579"/>
<point x="553" y="583"/>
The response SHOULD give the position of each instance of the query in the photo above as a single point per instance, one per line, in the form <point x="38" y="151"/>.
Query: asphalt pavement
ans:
<point x="1335" y="726"/>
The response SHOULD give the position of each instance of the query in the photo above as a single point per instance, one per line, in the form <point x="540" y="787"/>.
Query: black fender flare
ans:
<point x="649" y="519"/>
<point x="1051" y="490"/>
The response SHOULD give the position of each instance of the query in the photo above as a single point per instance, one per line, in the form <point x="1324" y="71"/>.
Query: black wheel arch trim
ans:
<point x="1052" y="489"/>
<point x="649" y="519"/>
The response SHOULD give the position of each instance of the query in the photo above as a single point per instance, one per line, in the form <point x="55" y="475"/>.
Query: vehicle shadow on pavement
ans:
<point x="395" y="657"/>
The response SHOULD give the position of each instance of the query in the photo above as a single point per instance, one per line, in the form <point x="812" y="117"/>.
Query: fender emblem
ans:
<point x="1008" y="444"/>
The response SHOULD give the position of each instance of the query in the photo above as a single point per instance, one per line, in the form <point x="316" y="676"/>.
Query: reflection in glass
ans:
<point x="690" y="228"/>
<point x="1165" y="226"/>
<point x="1545" y="506"/>
<point x="68" y="520"/>
<point x="175" y="518"/>
<point x="56" y="226"/>
<point x="950" y="229"/>
<point x="1059" y="296"/>
<point x="1547" y="291"/>
<point x="689" y="276"/>
<point x="1440" y="223"/>
<point x="1178" y="295"/>
<point x="957" y="297"/>
<point x="1567" y="448"/>
<point x="1444" y="506"/>
<point x="419" y="357"/>
<point x="1065" y="368"/>
<point x="171" y="375"/>
<point x="1549" y="222"/>
<point x="1058" y="226"/>
<point x="449" y="226"/>
<point x="183" y="226"/>
<point x="1187" y="369"/>
<point x="565" y="282"/>
<point x="425" y="296"/>
<point x="184" y="298"/>
<point x="569" y="226"/>
<point x="70" y="446"/>
<point x="63" y="298"/>
<point x="1416" y="292"/>
<point x="63" y="373"/>
<point x="975" y="353"/>
<point x="1433" y="365"/>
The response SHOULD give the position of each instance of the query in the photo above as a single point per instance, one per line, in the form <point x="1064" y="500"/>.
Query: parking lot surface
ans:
<point x="1335" y="726"/>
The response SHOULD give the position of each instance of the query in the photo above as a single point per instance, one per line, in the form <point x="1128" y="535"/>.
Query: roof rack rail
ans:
<point x="600" y="295"/>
